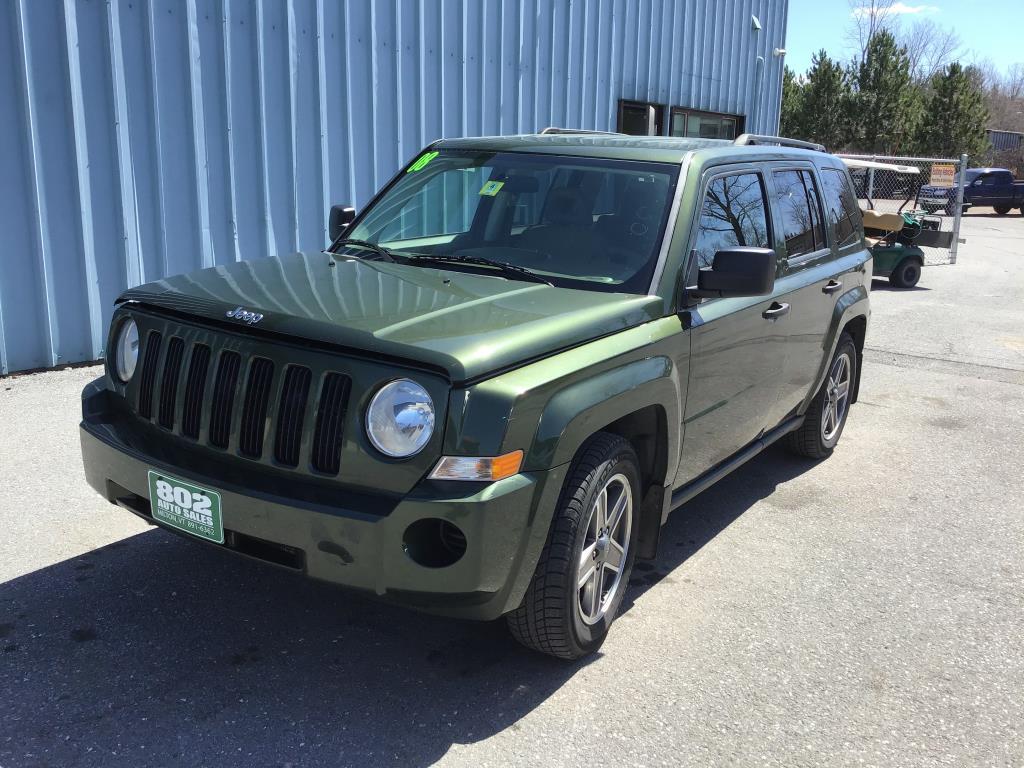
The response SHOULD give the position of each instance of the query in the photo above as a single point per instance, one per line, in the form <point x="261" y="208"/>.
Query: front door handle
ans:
<point x="831" y="287"/>
<point x="775" y="311"/>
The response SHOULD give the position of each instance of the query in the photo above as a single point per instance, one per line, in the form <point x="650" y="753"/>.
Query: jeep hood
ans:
<point x="467" y="325"/>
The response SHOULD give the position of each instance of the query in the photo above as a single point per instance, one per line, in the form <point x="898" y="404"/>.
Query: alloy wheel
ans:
<point x="837" y="397"/>
<point x="605" y="547"/>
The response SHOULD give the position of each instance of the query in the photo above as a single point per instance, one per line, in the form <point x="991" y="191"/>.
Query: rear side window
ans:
<point x="797" y="199"/>
<point x="733" y="214"/>
<point x="842" y="213"/>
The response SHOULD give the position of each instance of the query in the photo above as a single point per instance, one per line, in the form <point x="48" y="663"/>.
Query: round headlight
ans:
<point x="400" y="419"/>
<point x="126" y="350"/>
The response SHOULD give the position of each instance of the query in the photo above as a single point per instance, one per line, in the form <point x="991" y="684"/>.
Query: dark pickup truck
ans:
<point x="986" y="187"/>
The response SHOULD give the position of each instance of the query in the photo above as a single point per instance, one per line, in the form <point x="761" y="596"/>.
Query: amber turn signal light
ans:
<point x="478" y="468"/>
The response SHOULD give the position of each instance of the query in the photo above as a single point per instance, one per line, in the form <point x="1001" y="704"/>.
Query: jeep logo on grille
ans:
<point x="243" y="314"/>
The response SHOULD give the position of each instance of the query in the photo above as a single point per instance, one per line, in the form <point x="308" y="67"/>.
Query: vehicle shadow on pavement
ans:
<point x="882" y="284"/>
<point x="154" y="651"/>
<point x="702" y="518"/>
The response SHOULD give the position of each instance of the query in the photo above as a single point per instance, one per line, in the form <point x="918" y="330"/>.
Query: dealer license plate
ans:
<point x="186" y="506"/>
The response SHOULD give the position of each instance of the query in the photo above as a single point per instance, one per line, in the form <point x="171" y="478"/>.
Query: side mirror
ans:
<point x="739" y="271"/>
<point x="341" y="217"/>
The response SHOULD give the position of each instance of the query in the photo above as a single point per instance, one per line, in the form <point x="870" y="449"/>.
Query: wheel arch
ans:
<point x="857" y="327"/>
<point x="639" y="402"/>
<point x="851" y="314"/>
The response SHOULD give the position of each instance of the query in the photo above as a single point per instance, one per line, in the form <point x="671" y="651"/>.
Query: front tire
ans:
<point x="823" y="425"/>
<point x="1002" y="210"/>
<point x="584" y="568"/>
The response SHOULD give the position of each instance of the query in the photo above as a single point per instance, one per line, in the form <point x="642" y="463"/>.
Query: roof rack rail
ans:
<point x="754" y="138"/>
<point x="551" y="129"/>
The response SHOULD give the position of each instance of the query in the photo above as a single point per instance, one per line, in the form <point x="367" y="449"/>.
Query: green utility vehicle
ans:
<point x="489" y="392"/>
<point x="897" y="239"/>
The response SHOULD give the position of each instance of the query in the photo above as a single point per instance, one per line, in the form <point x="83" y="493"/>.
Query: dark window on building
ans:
<point x="641" y="118"/>
<point x="704" y="125"/>
<point x="841" y="209"/>
<point x="733" y="213"/>
<point x="800" y="212"/>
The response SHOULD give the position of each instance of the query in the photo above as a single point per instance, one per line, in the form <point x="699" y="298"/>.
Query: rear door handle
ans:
<point x="831" y="287"/>
<point x="775" y="311"/>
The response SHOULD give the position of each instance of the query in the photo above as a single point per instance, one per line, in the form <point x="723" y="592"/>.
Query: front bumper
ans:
<point x="505" y="525"/>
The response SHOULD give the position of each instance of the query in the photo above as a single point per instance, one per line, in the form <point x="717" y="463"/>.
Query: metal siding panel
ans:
<point x="359" y="50"/>
<point x="87" y="220"/>
<point x="169" y="37"/>
<point x="278" y="145"/>
<point x="60" y="260"/>
<point x="472" y="76"/>
<point x="23" y="343"/>
<point x="310" y="203"/>
<point x="385" y="80"/>
<point x="183" y="134"/>
<point x="243" y="110"/>
<point x="451" y="69"/>
<point x="214" y="162"/>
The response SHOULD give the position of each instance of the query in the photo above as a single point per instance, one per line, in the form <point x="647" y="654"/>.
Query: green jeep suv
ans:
<point x="486" y="396"/>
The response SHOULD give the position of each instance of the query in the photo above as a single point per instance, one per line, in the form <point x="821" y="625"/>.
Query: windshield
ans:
<point x="577" y="222"/>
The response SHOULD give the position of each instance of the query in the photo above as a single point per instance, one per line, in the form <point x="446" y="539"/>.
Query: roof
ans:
<point x="657" y="149"/>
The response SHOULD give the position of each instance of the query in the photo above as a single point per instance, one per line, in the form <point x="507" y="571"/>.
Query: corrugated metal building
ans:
<point x="1005" y="141"/>
<point x="142" y="138"/>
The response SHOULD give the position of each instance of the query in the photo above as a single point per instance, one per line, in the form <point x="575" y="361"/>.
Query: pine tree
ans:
<point x="791" y="121"/>
<point x="955" y="114"/>
<point x="826" y="103"/>
<point x="888" y="107"/>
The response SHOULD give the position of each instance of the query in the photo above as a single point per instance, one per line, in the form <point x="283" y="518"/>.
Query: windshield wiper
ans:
<point x="508" y="269"/>
<point x="380" y="250"/>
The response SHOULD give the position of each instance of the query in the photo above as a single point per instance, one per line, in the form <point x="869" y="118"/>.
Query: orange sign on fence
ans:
<point x="943" y="175"/>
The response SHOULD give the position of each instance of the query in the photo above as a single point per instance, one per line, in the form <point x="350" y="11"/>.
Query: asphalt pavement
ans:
<point x="864" y="610"/>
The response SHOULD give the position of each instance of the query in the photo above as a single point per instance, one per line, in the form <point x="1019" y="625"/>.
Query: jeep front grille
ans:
<point x="229" y="391"/>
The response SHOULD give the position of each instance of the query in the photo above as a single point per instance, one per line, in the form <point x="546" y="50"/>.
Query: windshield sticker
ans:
<point x="420" y="164"/>
<point x="491" y="188"/>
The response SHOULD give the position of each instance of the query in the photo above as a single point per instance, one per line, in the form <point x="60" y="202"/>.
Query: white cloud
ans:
<point x="896" y="9"/>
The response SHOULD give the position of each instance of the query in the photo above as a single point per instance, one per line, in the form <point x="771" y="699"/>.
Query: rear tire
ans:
<point x="823" y="425"/>
<point x="907" y="274"/>
<point x="584" y="568"/>
<point x="1002" y="210"/>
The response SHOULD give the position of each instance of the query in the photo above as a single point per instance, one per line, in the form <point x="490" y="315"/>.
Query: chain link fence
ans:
<point x="934" y="194"/>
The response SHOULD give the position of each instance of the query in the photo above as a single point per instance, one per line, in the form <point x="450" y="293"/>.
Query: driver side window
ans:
<point x="733" y="213"/>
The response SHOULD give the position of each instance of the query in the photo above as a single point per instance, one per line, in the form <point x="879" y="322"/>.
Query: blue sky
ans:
<point x="989" y="30"/>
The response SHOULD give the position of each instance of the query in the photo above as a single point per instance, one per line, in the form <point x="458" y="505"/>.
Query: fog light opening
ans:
<point x="434" y="543"/>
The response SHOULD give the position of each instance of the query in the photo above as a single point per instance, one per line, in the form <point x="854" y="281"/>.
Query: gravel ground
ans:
<point x="866" y="610"/>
